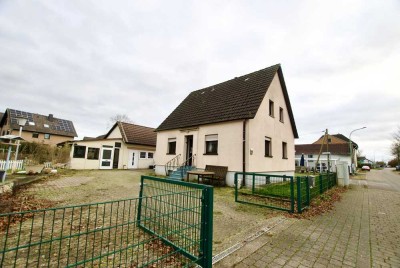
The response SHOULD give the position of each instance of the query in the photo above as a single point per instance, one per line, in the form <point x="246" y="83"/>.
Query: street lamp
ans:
<point x="351" y="148"/>
<point x="21" y="122"/>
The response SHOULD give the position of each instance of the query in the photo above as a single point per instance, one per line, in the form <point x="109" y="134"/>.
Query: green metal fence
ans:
<point x="286" y="193"/>
<point x="169" y="225"/>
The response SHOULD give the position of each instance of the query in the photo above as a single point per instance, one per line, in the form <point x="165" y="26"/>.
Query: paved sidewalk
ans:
<point x="362" y="231"/>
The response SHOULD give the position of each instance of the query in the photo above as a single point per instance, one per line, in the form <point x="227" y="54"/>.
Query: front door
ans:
<point x="106" y="158"/>
<point x="133" y="159"/>
<point x="189" y="149"/>
<point x="116" y="158"/>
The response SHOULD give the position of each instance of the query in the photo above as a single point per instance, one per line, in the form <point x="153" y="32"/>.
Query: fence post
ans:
<point x="207" y="227"/>
<point x="236" y="186"/>
<point x="307" y="190"/>
<point x="253" y="187"/>
<point x="291" y="195"/>
<point x="320" y="184"/>
<point x="298" y="194"/>
<point x="140" y="201"/>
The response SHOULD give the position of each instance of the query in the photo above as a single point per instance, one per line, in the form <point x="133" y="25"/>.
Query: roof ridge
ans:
<point x="136" y="125"/>
<point x="237" y="77"/>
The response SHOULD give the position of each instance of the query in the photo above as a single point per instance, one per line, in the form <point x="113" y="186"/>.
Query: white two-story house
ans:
<point x="245" y="123"/>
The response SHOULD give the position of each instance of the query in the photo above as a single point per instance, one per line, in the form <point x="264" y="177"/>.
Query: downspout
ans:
<point x="244" y="151"/>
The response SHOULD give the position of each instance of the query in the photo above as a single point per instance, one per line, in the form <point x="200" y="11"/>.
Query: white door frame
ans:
<point x="107" y="162"/>
<point x="133" y="159"/>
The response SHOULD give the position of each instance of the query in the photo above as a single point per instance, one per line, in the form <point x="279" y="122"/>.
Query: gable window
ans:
<point x="35" y="135"/>
<point x="79" y="151"/>
<point x="284" y="150"/>
<point x="271" y="108"/>
<point x="142" y="154"/>
<point x="172" y="146"/>
<point x="211" y="144"/>
<point x="47" y="136"/>
<point x="93" y="153"/>
<point x="268" y="149"/>
<point x="281" y="114"/>
<point x="149" y="155"/>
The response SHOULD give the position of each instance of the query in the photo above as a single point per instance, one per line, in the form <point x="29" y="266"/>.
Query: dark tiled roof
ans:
<point x="235" y="99"/>
<point x="338" y="149"/>
<point x="135" y="134"/>
<point x="343" y="138"/>
<point x="56" y="126"/>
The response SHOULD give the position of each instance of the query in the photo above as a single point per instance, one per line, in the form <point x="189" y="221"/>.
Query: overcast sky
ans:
<point x="88" y="60"/>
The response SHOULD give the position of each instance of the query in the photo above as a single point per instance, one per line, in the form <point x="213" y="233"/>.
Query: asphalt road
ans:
<point x="386" y="179"/>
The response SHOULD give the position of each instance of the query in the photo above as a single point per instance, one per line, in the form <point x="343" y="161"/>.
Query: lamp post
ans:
<point x="351" y="149"/>
<point x="21" y="123"/>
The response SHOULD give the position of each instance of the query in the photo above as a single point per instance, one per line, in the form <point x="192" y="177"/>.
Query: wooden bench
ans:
<point x="219" y="174"/>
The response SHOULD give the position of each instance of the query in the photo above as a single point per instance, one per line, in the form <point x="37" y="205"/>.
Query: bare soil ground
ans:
<point x="233" y="222"/>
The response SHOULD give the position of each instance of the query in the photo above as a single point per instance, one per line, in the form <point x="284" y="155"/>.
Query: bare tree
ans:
<point x="120" y="118"/>
<point x="395" y="149"/>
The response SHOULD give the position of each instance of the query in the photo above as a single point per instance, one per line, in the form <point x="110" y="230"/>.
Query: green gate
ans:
<point x="169" y="225"/>
<point x="281" y="192"/>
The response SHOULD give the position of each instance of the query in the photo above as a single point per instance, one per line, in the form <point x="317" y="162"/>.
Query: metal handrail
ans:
<point x="174" y="162"/>
<point x="185" y="163"/>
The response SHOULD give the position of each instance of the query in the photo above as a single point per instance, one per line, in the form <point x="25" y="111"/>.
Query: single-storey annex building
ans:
<point x="245" y="123"/>
<point x="125" y="146"/>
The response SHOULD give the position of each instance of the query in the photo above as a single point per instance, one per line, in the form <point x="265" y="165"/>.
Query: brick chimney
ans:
<point x="50" y="117"/>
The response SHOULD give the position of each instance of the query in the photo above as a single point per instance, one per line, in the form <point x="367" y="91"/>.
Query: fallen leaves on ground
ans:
<point x="321" y="204"/>
<point x="18" y="201"/>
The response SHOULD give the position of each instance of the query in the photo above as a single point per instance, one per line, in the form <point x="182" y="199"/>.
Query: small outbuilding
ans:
<point x="125" y="146"/>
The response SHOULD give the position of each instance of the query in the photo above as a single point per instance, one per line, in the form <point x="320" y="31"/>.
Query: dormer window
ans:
<point x="46" y="125"/>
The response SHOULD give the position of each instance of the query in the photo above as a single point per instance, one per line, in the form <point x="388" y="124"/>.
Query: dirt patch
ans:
<point x="321" y="204"/>
<point x="19" y="200"/>
<point x="233" y="221"/>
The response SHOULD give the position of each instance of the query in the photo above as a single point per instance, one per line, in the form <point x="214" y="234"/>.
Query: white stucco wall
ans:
<point x="84" y="163"/>
<point x="264" y="125"/>
<point x="229" y="146"/>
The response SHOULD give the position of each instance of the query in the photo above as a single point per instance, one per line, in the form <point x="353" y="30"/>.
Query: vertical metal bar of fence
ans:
<point x="253" y="187"/>
<point x="298" y="194"/>
<point x="321" y="190"/>
<point x="207" y="227"/>
<point x="307" y="191"/>
<point x="236" y="186"/>
<point x="291" y="195"/>
<point x="139" y="212"/>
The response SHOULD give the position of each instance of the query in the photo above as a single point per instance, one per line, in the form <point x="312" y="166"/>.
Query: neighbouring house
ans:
<point x="125" y="146"/>
<point x="338" y="152"/>
<point x="245" y="123"/>
<point x="363" y="160"/>
<point x="338" y="147"/>
<point x="45" y="129"/>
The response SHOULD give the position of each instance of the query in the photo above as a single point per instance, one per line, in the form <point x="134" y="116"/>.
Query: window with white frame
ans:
<point x="271" y="108"/>
<point x="284" y="150"/>
<point x="171" y="146"/>
<point x="268" y="147"/>
<point x="211" y="144"/>
<point x="150" y="155"/>
<point x="281" y="114"/>
<point x="142" y="154"/>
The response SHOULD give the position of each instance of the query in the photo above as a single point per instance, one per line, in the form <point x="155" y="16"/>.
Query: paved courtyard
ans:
<point x="362" y="231"/>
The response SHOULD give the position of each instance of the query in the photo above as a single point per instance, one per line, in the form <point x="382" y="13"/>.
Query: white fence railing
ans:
<point x="19" y="164"/>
